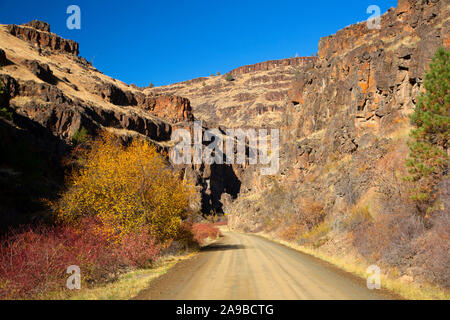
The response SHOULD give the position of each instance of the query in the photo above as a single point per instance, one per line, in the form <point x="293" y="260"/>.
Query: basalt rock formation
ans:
<point x="357" y="97"/>
<point x="3" y="60"/>
<point x="255" y="98"/>
<point x="272" y="64"/>
<point x="38" y="34"/>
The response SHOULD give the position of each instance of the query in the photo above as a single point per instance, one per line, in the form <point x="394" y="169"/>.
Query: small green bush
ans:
<point x="80" y="136"/>
<point x="6" y="113"/>
<point x="229" y="77"/>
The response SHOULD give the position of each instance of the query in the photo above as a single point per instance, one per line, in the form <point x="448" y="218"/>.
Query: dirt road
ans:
<point x="243" y="266"/>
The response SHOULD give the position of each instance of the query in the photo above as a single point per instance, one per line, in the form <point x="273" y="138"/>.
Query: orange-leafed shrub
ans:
<point x="203" y="231"/>
<point x="127" y="189"/>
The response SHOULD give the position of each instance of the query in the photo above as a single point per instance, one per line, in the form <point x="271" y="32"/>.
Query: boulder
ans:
<point x="38" y="25"/>
<point x="41" y="70"/>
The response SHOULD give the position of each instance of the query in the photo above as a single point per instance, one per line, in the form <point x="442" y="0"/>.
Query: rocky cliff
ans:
<point x="47" y="82"/>
<point x="38" y="34"/>
<point x="256" y="97"/>
<point x="343" y="149"/>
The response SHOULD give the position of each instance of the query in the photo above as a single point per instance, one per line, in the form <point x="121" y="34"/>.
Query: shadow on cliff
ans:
<point x="30" y="170"/>
<point x="223" y="181"/>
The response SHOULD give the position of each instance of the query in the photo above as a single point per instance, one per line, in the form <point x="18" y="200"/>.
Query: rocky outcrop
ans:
<point x="40" y="70"/>
<point x="38" y="25"/>
<point x="255" y="98"/>
<point x="38" y="34"/>
<point x="175" y="108"/>
<point x="3" y="60"/>
<point x="272" y="64"/>
<point x="48" y="106"/>
<point x="113" y="94"/>
<point x="172" y="108"/>
<point x="371" y="76"/>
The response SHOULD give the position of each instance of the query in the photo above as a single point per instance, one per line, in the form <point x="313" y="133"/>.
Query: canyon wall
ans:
<point x="255" y="97"/>
<point x="343" y="149"/>
<point x="357" y="97"/>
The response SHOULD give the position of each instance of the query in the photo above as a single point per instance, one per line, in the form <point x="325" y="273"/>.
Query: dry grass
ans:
<point x="129" y="284"/>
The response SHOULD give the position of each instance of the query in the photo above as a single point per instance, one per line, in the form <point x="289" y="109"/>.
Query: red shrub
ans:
<point x="33" y="262"/>
<point x="202" y="231"/>
<point x="220" y="223"/>
<point x="138" y="250"/>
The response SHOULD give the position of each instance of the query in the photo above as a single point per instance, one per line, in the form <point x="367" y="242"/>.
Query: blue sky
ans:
<point x="170" y="41"/>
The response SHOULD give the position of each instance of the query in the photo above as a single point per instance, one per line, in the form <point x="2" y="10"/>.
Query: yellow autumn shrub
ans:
<point x="126" y="189"/>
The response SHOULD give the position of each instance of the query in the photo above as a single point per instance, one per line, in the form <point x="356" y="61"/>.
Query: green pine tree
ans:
<point x="428" y="158"/>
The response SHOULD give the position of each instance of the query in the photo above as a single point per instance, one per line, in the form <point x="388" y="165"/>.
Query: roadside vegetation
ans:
<point x="428" y="159"/>
<point x="123" y="209"/>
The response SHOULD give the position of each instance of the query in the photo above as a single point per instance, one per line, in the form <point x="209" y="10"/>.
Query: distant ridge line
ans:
<point x="271" y="64"/>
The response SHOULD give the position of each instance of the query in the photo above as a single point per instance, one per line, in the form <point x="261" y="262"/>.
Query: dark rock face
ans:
<point x="38" y="33"/>
<point x="172" y="108"/>
<point x="42" y="71"/>
<point x="38" y="25"/>
<point x="3" y="60"/>
<point x="30" y="170"/>
<point x="114" y="94"/>
<point x="63" y="115"/>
